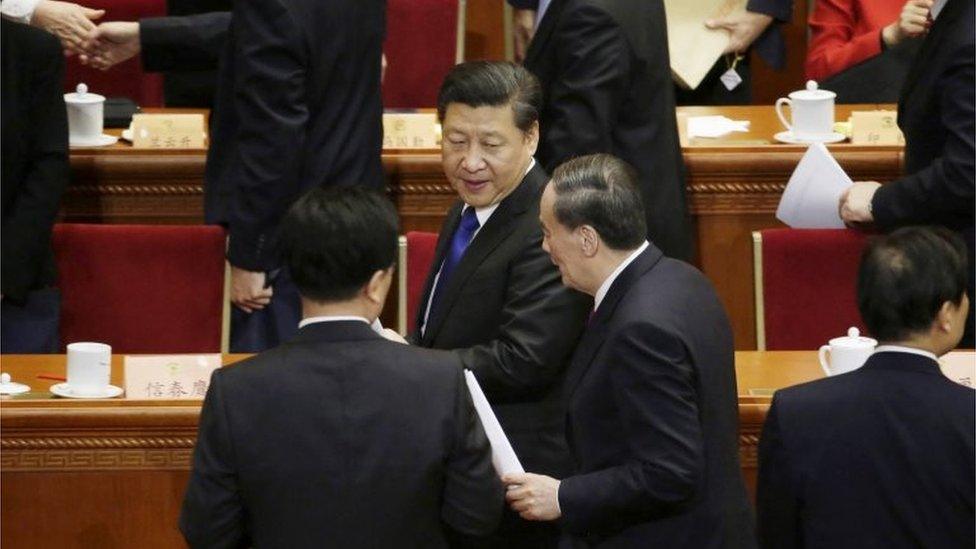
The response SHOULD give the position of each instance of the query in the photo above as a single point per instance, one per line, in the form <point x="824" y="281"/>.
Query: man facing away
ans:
<point x="650" y="393"/>
<point x="492" y="296"/>
<point x="881" y="456"/>
<point x="339" y="437"/>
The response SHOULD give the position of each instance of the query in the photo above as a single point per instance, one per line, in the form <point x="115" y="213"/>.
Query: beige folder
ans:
<point x="692" y="47"/>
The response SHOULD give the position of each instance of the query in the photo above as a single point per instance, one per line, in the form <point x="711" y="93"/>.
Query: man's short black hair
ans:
<point x="493" y="84"/>
<point x="333" y="240"/>
<point x="906" y="276"/>
<point x="600" y="190"/>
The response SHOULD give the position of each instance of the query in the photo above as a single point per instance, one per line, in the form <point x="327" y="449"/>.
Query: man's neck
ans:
<point x="920" y="343"/>
<point x="353" y="307"/>
<point x="605" y="265"/>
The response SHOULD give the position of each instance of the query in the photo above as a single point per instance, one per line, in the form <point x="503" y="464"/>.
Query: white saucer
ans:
<point x="787" y="137"/>
<point x="13" y="388"/>
<point x="100" y="141"/>
<point x="63" y="390"/>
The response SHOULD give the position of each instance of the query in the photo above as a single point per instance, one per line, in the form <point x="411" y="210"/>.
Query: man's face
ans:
<point x="564" y="246"/>
<point x="483" y="153"/>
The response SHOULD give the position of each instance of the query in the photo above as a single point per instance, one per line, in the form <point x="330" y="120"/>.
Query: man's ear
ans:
<point x="589" y="240"/>
<point x="378" y="285"/>
<point x="945" y="316"/>
<point x="532" y="138"/>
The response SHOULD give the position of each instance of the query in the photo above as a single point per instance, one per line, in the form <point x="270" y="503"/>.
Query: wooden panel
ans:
<point x="484" y="37"/>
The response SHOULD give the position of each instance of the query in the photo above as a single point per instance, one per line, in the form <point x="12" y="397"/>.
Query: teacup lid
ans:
<point x="812" y="92"/>
<point x="853" y="339"/>
<point x="81" y="96"/>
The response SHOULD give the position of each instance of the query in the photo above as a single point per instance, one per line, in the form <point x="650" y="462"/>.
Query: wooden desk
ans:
<point x="111" y="473"/>
<point x="734" y="185"/>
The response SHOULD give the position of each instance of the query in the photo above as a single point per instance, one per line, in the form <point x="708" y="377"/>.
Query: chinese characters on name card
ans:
<point x="169" y="377"/>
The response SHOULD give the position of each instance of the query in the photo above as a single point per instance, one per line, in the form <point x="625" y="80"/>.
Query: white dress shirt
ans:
<point x="936" y="8"/>
<point x="337" y="318"/>
<point x="605" y="287"/>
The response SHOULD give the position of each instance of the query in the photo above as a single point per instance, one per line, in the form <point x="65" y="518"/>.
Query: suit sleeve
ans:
<point x="213" y="511"/>
<point x="191" y="42"/>
<point x="594" y="63"/>
<point x="776" y="502"/>
<point x="780" y="10"/>
<point x="541" y="321"/>
<point x="833" y="45"/>
<point x="947" y="185"/>
<point x="270" y="61"/>
<point x="27" y="224"/>
<point x="652" y="384"/>
<point x="473" y="494"/>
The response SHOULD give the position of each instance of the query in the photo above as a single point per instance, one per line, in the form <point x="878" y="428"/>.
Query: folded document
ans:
<point x="812" y="196"/>
<point x="502" y="455"/>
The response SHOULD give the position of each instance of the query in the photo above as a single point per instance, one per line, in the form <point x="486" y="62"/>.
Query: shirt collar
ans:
<point x="901" y="349"/>
<point x="338" y="318"/>
<point x="936" y="8"/>
<point x="605" y="287"/>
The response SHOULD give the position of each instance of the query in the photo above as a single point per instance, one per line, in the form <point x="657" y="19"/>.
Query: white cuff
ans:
<point x="19" y="10"/>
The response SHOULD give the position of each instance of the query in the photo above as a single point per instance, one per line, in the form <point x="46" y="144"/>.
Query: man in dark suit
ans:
<point x="881" y="456"/>
<point x="606" y="80"/>
<point x="492" y="296"/>
<point x="339" y="437"/>
<point x="652" y="412"/>
<point x="35" y="173"/>
<point x="937" y="114"/>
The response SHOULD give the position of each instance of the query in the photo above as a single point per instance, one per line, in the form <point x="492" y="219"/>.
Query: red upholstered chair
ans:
<point x="424" y="39"/>
<point x="415" y="258"/>
<point x="806" y="286"/>
<point x="142" y="288"/>
<point x="125" y="79"/>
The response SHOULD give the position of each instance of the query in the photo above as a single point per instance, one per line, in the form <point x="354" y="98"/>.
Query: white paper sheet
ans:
<point x="502" y="455"/>
<point x="811" y="198"/>
<point x="715" y="126"/>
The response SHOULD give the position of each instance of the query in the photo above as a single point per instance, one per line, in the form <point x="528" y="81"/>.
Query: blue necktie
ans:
<point x="462" y="237"/>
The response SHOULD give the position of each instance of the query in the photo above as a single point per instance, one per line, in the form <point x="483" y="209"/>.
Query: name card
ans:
<point x="168" y="131"/>
<point x="959" y="366"/>
<point x="169" y="377"/>
<point x="411" y="130"/>
<point x="875" y="128"/>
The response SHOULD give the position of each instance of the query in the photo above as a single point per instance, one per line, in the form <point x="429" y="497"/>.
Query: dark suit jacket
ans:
<point x="339" y="438"/>
<point x="298" y="106"/>
<point x="606" y="78"/>
<point x="510" y="320"/>
<point x="936" y="114"/>
<point x="182" y="43"/>
<point x="879" y="457"/>
<point x="35" y="156"/>
<point x="653" y="417"/>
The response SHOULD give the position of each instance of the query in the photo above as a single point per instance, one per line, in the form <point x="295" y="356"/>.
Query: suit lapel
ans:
<point x="542" y="34"/>
<point x="930" y="47"/>
<point x="596" y="331"/>
<point x="443" y="242"/>
<point x="502" y="222"/>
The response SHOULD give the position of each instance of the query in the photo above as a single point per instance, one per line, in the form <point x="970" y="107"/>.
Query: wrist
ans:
<point x="891" y="35"/>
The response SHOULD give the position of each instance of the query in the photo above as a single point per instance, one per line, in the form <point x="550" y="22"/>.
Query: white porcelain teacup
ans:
<point x="89" y="367"/>
<point x="846" y="354"/>
<point x="811" y="111"/>
<point x="85" y="116"/>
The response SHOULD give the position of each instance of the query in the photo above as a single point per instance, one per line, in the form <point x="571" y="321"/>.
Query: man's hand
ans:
<point x="913" y="21"/>
<point x="247" y="290"/>
<point x="523" y="27"/>
<point x="533" y="497"/>
<point x="743" y="28"/>
<point x="855" y="203"/>
<point x="70" y="22"/>
<point x="109" y="44"/>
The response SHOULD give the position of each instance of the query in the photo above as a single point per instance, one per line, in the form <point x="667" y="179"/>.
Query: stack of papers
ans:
<point x="812" y="197"/>
<point x="715" y="126"/>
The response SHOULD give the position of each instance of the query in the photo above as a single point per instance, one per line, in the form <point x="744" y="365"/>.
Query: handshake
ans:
<point x="101" y="46"/>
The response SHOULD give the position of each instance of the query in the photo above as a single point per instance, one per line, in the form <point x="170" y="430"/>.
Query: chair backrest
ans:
<point x="126" y="79"/>
<point x="142" y="288"/>
<point x="806" y="284"/>
<point x="424" y="39"/>
<point x="416" y="256"/>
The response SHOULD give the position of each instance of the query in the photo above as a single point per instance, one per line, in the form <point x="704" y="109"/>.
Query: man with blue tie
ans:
<point x="492" y="296"/>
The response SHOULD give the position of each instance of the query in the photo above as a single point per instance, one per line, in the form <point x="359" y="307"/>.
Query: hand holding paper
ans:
<point x="813" y="192"/>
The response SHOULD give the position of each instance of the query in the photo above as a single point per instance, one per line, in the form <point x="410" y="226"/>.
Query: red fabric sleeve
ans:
<point x="835" y="41"/>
